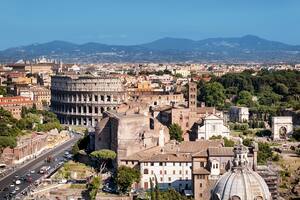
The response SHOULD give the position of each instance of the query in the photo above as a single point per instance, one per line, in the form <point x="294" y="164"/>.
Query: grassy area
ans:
<point x="74" y="170"/>
<point x="78" y="186"/>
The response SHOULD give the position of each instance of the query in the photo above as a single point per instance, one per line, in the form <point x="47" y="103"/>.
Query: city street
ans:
<point x="32" y="168"/>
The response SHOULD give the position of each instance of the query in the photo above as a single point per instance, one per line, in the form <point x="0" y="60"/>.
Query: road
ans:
<point x="34" y="166"/>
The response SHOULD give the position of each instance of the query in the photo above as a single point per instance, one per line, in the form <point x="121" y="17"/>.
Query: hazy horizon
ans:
<point x="137" y="22"/>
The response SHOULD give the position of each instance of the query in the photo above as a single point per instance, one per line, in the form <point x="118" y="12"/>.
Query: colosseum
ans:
<point x="81" y="99"/>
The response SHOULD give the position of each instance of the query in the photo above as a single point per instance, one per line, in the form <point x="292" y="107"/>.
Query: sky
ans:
<point x="127" y="22"/>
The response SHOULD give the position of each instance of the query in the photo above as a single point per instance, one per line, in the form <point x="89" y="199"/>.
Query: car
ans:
<point x="17" y="188"/>
<point x="32" y="171"/>
<point x="16" y="176"/>
<point x="5" y="189"/>
<point x="18" y="182"/>
<point x="28" y="174"/>
<point x="13" y="192"/>
<point x="12" y="185"/>
<point x="107" y="189"/>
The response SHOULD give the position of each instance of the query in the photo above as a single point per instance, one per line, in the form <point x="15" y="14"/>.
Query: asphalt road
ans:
<point x="34" y="165"/>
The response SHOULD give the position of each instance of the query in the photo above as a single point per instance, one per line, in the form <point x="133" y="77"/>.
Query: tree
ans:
<point x="157" y="192"/>
<point x="75" y="149"/>
<point x="175" y="132"/>
<point x="245" y="98"/>
<point x="152" y="195"/>
<point x="103" y="157"/>
<point x="247" y="142"/>
<point x="172" y="194"/>
<point x="214" y="94"/>
<point x="228" y="142"/>
<point x="93" y="187"/>
<point x="7" y="141"/>
<point x="264" y="152"/>
<point x="126" y="176"/>
<point x="296" y="134"/>
<point x="3" y="91"/>
<point x="281" y="89"/>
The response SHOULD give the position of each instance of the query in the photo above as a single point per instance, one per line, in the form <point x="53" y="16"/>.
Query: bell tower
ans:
<point x="192" y="96"/>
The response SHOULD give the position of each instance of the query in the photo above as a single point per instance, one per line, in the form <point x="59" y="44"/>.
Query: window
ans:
<point x="160" y="164"/>
<point x="200" y="184"/>
<point x="160" y="172"/>
<point x="179" y="171"/>
<point x="152" y="164"/>
<point x="170" y="179"/>
<point x="165" y="171"/>
<point x="174" y="172"/>
<point x="201" y="164"/>
<point x="200" y="194"/>
<point x="152" y="172"/>
<point x="161" y="179"/>
<point x="146" y="171"/>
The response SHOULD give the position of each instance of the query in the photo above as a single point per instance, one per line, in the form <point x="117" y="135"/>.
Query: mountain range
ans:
<point x="248" y="48"/>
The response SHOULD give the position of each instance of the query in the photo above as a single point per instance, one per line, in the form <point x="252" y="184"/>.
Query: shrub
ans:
<point x="264" y="133"/>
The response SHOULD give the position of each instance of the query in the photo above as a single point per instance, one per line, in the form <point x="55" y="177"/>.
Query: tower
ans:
<point x="192" y="96"/>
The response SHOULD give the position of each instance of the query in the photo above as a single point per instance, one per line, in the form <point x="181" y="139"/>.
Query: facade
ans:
<point x="34" y="68"/>
<point x="128" y="132"/>
<point x="240" y="182"/>
<point x="81" y="100"/>
<point x="15" y="104"/>
<point x="38" y="94"/>
<point x="282" y="127"/>
<point x="190" y="167"/>
<point x="154" y="99"/>
<point x="29" y="146"/>
<point x="212" y="126"/>
<point x="239" y="114"/>
<point x="171" y="164"/>
<point x="170" y="170"/>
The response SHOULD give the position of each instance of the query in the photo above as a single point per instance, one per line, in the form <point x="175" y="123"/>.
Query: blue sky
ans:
<point x="24" y="22"/>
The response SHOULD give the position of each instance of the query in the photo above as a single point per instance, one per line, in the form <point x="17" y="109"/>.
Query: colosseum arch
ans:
<point x="282" y="127"/>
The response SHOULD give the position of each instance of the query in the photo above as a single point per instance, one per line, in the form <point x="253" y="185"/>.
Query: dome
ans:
<point x="241" y="182"/>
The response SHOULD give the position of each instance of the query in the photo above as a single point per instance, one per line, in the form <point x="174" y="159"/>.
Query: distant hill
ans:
<point x="248" y="48"/>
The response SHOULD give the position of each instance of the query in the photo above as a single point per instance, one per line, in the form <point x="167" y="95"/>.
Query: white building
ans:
<point x="171" y="171"/>
<point x="212" y="126"/>
<point x="239" y="114"/>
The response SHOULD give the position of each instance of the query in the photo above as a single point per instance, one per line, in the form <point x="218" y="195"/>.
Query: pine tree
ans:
<point x="157" y="195"/>
<point x="152" y="190"/>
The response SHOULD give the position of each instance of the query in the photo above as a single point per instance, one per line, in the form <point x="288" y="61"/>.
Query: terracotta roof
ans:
<point x="222" y="151"/>
<point x="168" y="158"/>
<point x="200" y="145"/>
<point x="174" y="148"/>
<point x="201" y="154"/>
<point x="201" y="171"/>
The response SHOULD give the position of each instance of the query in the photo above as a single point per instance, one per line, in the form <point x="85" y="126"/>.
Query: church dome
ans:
<point x="241" y="182"/>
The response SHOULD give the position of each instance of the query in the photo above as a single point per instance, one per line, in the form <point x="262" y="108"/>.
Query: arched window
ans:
<point x="235" y="198"/>
<point x="258" y="198"/>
